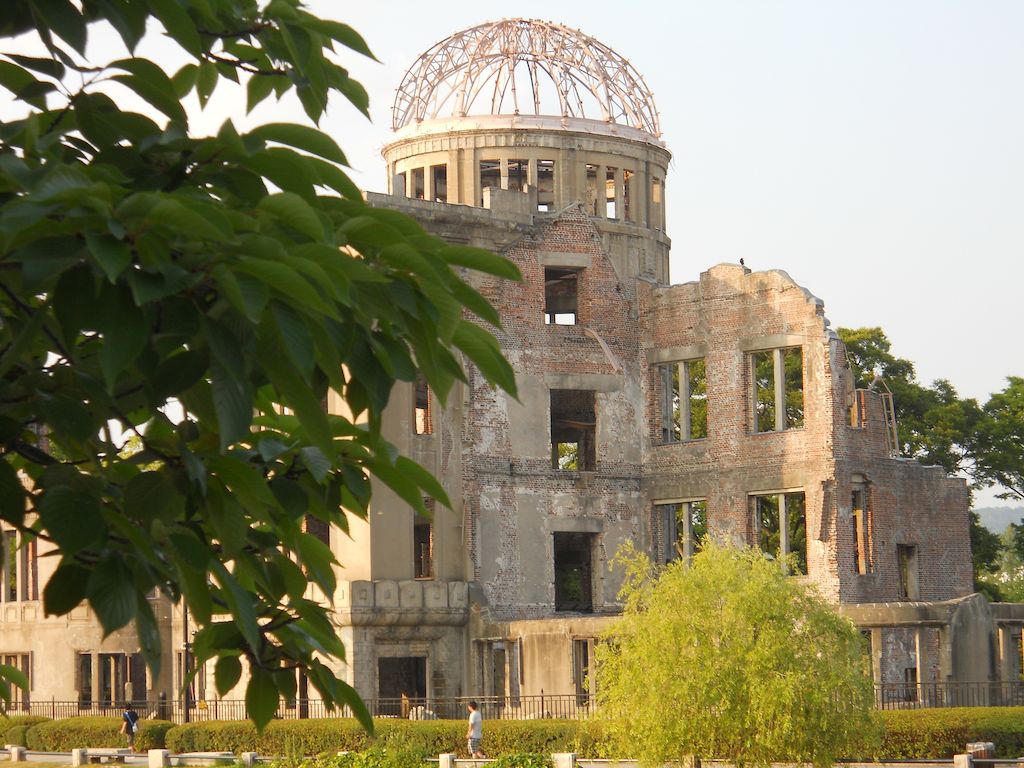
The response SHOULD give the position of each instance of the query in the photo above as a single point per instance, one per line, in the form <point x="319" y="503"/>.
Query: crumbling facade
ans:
<point x="647" y="413"/>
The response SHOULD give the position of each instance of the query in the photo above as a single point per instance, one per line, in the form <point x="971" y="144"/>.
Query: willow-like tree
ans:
<point x="729" y="658"/>
<point x="239" y="275"/>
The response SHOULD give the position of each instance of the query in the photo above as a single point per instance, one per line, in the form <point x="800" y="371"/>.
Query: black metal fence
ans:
<point x="566" y="706"/>
<point x="932" y="695"/>
<point x="544" y="706"/>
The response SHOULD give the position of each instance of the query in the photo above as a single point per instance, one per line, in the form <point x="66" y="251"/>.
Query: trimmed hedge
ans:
<point x="12" y="729"/>
<point x="74" y="732"/>
<point x="425" y="738"/>
<point x="909" y="734"/>
<point x="942" y="733"/>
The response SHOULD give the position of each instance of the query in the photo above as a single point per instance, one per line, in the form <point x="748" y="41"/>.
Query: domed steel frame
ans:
<point x="494" y="58"/>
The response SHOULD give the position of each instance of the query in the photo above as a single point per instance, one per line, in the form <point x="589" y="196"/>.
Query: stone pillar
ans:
<point x="620" y="199"/>
<point x="446" y="760"/>
<point x="564" y="759"/>
<point x="410" y="183"/>
<point x="159" y="758"/>
<point x="78" y="757"/>
<point x="18" y="754"/>
<point x="248" y="759"/>
<point x="963" y="761"/>
<point x="780" y="394"/>
<point x="923" y="664"/>
<point x="601" y="203"/>
<point x="428" y="182"/>
<point x="876" y="657"/>
<point x="503" y="172"/>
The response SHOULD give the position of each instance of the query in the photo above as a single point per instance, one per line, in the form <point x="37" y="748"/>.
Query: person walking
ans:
<point x="130" y="725"/>
<point x="475" y="731"/>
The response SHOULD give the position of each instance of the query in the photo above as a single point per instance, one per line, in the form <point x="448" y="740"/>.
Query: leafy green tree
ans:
<point x="238" y="277"/>
<point x="728" y="658"/>
<point x="1000" y="452"/>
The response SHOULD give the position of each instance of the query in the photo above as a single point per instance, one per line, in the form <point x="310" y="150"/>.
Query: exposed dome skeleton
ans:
<point x="519" y="64"/>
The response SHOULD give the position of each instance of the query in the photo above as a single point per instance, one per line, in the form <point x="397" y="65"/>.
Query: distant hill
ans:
<point x="997" y="518"/>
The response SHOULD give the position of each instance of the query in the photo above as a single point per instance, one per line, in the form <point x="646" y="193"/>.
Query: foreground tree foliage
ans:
<point x="728" y="658"/>
<point x="238" y="275"/>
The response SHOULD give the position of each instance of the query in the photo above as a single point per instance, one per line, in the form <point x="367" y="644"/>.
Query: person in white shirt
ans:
<point x="475" y="731"/>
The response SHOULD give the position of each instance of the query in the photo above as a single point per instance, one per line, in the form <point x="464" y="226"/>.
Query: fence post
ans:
<point x="248" y="759"/>
<point x="159" y="758"/>
<point x="563" y="760"/>
<point x="446" y="760"/>
<point x="79" y="757"/>
<point x="963" y="761"/>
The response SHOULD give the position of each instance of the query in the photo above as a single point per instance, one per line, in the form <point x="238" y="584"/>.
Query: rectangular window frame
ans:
<point x="573" y="435"/>
<point x="683" y="405"/>
<point x="775" y="378"/>
<point x="791" y="510"/>
<point x="676" y="536"/>
<point x="562" y="309"/>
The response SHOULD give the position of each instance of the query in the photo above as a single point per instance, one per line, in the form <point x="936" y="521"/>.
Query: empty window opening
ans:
<point x="592" y="191"/>
<point x="545" y="184"/>
<point x="573" y="429"/>
<point x="627" y="208"/>
<point x="861" y="523"/>
<point x="684" y="401"/>
<point x="113" y="675"/>
<point x="680" y="528"/>
<point x="29" y="571"/>
<point x="423" y="418"/>
<point x="22" y="662"/>
<point x="319" y="529"/>
<point x="909" y="692"/>
<point x="490" y="176"/>
<point x="858" y="409"/>
<point x="418" y="183"/>
<point x="583" y="669"/>
<point x="561" y="296"/>
<point x="439" y="183"/>
<point x="400" y="679"/>
<point x="777" y="376"/>
<point x="84" y="679"/>
<point x="609" y="193"/>
<point x="780" y="528"/>
<point x="906" y="560"/>
<point x="10" y="566"/>
<point x="517" y="175"/>
<point x="573" y="566"/>
<point x="423" y="545"/>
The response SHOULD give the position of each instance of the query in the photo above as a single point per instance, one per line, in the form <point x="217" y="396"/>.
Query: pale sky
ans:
<point x="870" y="148"/>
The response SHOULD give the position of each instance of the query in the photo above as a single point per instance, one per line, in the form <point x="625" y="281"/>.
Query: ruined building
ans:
<point x="649" y="413"/>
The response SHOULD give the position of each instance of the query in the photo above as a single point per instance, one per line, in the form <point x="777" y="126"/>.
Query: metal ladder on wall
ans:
<point x="889" y="414"/>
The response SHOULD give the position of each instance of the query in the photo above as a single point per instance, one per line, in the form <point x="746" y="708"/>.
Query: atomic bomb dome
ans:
<point x="534" y="108"/>
<point x="524" y="67"/>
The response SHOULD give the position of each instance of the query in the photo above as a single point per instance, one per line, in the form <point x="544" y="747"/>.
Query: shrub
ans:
<point x="14" y="727"/>
<point x="941" y="733"/>
<point x="74" y="732"/>
<point x="15" y="735"/>
<point x="921" y="734"/>
<point x="416" y="738"/>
